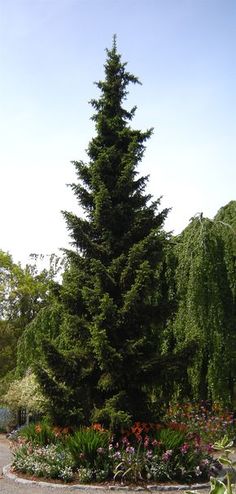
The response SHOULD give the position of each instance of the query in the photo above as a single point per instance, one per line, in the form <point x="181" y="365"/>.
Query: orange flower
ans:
<point x="57" y="431"/>
<point x="38" y="428"/>
<point x="97" y="427"/>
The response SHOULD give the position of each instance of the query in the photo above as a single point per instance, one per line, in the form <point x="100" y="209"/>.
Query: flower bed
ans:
<point x="146" y="453"/>
<point x="212" y="421"/>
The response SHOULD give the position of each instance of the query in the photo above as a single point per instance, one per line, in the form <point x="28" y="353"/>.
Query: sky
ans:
<point x="52" y="51"/>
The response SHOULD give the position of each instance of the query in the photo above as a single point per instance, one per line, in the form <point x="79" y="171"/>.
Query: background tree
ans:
<point x="106" y="357"/>
<point x="204" y="311"/>
<point x="23" y="293"/>
<point x="226" y="222"/>
<point x="25" y="394"/>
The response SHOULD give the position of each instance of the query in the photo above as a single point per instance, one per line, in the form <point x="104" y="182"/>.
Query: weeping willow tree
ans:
<point x="226" y="223"/>
<point x="205" y="307"/>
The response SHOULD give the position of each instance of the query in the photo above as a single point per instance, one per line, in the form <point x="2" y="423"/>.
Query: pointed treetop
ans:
<point x="114" y="43"/>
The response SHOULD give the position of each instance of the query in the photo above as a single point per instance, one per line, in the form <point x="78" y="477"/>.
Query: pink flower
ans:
<point x="167" y="455"/>
<point x="184" y="449"/>
<point x="130" y="450"/>
<point x="146" y="441"/>
<point x="125" y="440"/>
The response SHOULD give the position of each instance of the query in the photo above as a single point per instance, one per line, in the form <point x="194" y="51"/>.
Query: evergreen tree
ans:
<point x="106" y="356"/>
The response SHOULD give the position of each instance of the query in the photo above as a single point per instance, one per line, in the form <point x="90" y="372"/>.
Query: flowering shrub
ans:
<point x="212" y="422"/>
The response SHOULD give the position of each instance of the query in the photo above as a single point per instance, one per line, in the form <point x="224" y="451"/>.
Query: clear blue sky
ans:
<point x="51" y="51"/>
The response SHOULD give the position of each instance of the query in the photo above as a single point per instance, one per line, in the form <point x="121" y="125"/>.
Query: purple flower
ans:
<point x="130" y="449"/>
<point x="117" y="455"/>
<point x="155" y="442"/>
<point x="167" y="455"/>
<point x="125" y="440"/>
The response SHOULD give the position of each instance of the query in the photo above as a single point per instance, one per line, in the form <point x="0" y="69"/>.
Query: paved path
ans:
<point x="11" y="487"/>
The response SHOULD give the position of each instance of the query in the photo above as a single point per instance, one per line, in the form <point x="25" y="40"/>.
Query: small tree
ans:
<point x="25" y="394"/>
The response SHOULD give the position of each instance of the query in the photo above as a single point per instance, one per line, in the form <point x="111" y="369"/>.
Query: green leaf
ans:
<point x="224" y="461"/>
<point x="217" y="487"/>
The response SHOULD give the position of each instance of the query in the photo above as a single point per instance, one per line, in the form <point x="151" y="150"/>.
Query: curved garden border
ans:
<point x="12" y="476"/>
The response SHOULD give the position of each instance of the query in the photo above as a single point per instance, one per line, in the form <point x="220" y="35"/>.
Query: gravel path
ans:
<point x="10" y="487"/>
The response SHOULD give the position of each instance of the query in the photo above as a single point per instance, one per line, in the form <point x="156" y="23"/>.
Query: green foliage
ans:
<point x="226" y="222"/>
<point x="204" y="311"/>
<point x="171" y="438"/>
<point x="132" y="466"/>
<point x="39" y="434"/>
<point x="25" y="393"/>
<point x="9" y="335"/>
<point x="212" y="420"/>
<point x="44" y="326"/>
<point x="88" y="446"/>
<point x="93" y="455"/>
<point x="113" y="298"/>
<point x="218" y="486"/>
<point x="52" y="462"/>
<point x="23" y="293"/>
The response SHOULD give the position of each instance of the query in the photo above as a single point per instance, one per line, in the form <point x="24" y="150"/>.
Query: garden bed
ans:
<point x="147" y="454"/>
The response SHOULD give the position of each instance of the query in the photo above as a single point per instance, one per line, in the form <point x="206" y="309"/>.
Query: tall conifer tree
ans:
<point x="107" y="350"/>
